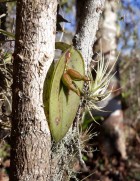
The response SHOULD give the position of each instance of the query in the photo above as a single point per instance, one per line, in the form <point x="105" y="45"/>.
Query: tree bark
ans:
<point x="88" y="14"/>
<point x="34" y="52"/>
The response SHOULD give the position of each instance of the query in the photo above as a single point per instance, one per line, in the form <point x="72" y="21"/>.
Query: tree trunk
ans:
<point x="88" y="15"/>
<point x="34" y="52"/>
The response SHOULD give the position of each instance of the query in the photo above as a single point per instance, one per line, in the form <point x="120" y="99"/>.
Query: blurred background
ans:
<point x="113" y="152"/>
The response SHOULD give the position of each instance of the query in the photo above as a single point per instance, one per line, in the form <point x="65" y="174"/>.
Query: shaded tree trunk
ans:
<point x="34" y="52"/>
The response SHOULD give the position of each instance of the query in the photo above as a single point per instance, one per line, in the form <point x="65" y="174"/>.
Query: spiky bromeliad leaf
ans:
<point x="9" y="34"/>
<point x="98" y="89"/>
<point x="61" y="104"/>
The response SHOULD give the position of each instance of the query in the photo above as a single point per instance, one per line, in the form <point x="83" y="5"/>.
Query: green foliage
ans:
<point x="4" y="150"/>
<point x="62" y="46"/>
<point x="7" y="58"/>
<point x="11" y="35"/>
<point x="88" y="120"/>
<point x="60" y="103"/>
<point x="98" y="88"/>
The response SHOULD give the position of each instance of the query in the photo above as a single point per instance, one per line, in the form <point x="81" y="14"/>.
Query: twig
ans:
<point x="88" y="176"/>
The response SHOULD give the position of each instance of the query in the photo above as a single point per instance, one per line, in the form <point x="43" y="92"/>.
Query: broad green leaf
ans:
<point x="61" y="104"/>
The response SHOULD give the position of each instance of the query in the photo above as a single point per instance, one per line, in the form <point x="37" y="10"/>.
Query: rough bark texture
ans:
<point x="88" y="14"/>
<point x="34" y="52"/>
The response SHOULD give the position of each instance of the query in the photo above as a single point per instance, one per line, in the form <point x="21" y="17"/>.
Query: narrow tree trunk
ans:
<point x="88" y="14"/>
<point x="34" y="52"/>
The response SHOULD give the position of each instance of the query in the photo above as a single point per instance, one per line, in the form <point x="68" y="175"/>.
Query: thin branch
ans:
<point x="88" y="14"/>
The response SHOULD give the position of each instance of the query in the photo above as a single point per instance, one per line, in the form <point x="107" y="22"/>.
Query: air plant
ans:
<point x="98" y="88"/>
